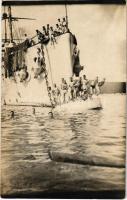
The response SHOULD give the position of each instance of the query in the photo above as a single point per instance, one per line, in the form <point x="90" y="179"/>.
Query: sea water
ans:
<point x="27" y="139"/>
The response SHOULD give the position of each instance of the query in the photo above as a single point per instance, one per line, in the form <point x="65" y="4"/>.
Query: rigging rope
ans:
<point x="15" y="32"/>
<point x="46" y="78"/>
<point x="49" y="63"/>
<point x="18" y="32"/>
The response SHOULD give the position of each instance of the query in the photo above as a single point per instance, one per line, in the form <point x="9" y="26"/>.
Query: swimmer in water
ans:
<point x="34" y="111"/>
<point x="51" y="114"/>
<point x="12" y="114"/>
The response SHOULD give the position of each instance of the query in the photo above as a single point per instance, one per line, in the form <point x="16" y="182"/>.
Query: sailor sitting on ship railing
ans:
<point x="49" y="33"/>
<point x="63" y="25"/>
<point x="40" y="35"/>
<point x="52" y="35"/>
<point x="28" y="41"/>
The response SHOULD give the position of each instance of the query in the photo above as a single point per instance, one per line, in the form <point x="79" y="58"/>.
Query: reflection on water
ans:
<point x="96" y="133"/>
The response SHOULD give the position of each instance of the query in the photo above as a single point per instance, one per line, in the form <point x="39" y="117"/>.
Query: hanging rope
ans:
<point x="46" y="79"/>
<point x="49" y="63"/>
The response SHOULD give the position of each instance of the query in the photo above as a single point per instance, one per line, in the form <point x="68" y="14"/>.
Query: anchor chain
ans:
<point x="46" y="78"/>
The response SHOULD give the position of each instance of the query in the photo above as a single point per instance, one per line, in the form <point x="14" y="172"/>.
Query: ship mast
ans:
<point x="10" y="23"/>
<point x="5" y="27"/>
<point x="10" y="20"/>
<point x="66" y="15"/>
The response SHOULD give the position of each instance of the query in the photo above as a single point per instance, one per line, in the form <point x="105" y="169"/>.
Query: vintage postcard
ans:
<point x="63" y="83"/>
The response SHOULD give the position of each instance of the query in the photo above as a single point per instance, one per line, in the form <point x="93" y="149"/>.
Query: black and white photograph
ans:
<point x="63" y="100"/>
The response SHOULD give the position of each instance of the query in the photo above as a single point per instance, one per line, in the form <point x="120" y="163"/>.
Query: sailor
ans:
<point x="27" y="40"/>
<point x="50" y="91"/>
<point x="52" y="35"/>
<point x="38" y="51"/>
<point x="85" y="80"/>
<point x="60" y="24"/>
<point x="56" y="94"/>
<point x="80" y="86"/>
<point x="71" y="89"/>
<point x="44" y="30"/>
<point x="64" y="88"/>
<point x="39" y="61"/>
<point x="25" y="37"/>
<point x="57" y="30"/>
<point x="40" y="35"/>
<point x="51" y="114"/>
<point x="93" y="85"/>
<point x="47" y="31"/>
<point x="64" y="25"/>
<point x="76" y="87"/>
<point x="84" y="92"/>
<point x="84" y="86"/>
<point x="88" y="91"/>
<point x="96" y="85"/>
<point x="99" y="85"/>
<point x="12" y="114"/>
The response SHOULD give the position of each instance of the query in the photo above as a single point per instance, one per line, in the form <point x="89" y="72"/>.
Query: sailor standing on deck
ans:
<point x="85" y="87"/>
<point x="85" y="82"/>
<point x="64" y="88"/>
<point x="71" y="89"/>
<point x="93" y="85"/>
<point x="76" y="87"/>
<point x="56" y="95"/>
<point x="80" y="86"/>
<point x="99" y="85"/>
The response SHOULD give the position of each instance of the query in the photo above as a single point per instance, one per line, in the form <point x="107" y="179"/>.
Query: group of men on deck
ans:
<point x="77" y="88"/>
<point x="50" y="32"/>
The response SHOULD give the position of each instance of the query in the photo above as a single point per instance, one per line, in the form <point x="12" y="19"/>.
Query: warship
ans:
<point x="32" y="66"/>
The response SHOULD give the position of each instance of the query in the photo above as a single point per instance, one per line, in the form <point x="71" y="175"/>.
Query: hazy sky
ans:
<point x="100" y="32"/>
